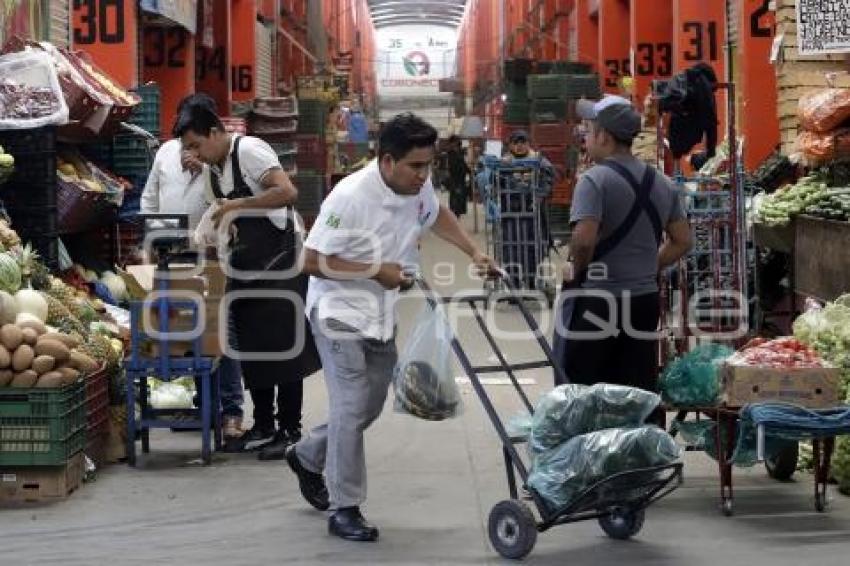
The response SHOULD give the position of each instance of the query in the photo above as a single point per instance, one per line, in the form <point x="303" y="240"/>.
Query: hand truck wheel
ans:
<point x="727" y="507"/>
<point x="782" y="465"/>
<point x="512" y="529"/>
<point x="622" y="524"/>
<point x="820" y="502"/>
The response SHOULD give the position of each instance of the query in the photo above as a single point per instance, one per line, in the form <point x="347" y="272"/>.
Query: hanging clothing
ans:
<point x="358" y="128"/>
<point x="268" y="325"/>
<point x="693" y="108"/>
<point x="456" y="182"/>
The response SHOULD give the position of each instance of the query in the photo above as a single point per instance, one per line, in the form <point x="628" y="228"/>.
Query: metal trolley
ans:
<point x="617" y="502"/>
<point x="517" y="231"/>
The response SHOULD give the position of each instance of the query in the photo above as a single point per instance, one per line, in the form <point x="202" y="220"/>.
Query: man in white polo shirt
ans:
<point x="366" y="233"/>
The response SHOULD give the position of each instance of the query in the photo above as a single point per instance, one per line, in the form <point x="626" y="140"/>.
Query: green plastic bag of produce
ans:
<point x="424" y="380"/>
<point x="570" y="410"/>
<point x="693" y="380"/>
<point x="561" y="474"/>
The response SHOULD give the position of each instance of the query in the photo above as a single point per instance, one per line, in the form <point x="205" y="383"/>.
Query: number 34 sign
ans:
<point x="107" y="31"/>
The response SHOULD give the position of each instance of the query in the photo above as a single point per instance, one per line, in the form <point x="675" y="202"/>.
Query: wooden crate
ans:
<point x="41" y="484"/>
<point x="821" y="258"/>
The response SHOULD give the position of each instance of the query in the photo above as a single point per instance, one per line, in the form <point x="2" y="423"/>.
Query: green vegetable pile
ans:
<point x="777" y="209"/>
<point x="833" y="205"/>
<point x="828" y="331"/>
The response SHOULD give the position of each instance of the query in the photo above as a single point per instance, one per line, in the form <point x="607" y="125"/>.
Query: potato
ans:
<point x="22" y="358"/>
<point x="6" y="377"/>
<point x="25" y="379"/>
<point x="11" y="336"/>
<point x="69" y="375"/>
<point x="67" y="339"/>
<point x="83" y="362"/>
<point x="50" y="380"/>
<point x="30" y="336"/>
<point x="36" y="325"/>
<point x="43" y="364"/>
<point x="5" y="357"/>
<point x="58" y="350"/>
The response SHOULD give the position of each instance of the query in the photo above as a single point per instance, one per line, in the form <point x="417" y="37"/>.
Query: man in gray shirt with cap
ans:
<point x="627" y="224"/>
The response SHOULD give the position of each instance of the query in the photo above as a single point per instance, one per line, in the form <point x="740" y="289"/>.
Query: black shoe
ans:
<point x="276" y="449"/>
<point x="349" y="524"/>
<point x="251" y="440"/>
<point x="312" y="485"/>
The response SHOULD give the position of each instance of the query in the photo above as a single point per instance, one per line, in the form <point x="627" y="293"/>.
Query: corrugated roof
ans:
<point x="425" y="12"/>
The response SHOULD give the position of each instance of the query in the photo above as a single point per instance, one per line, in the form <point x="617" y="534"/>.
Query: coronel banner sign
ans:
<point x="413" y="59"/>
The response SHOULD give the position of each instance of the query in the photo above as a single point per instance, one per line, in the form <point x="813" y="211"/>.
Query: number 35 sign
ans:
<point x="107" y="31"/>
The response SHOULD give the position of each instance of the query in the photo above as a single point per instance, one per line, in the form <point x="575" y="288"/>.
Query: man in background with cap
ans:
<point x="627" y="225"/>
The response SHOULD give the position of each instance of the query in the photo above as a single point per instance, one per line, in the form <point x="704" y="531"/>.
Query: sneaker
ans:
<point x="251" y="440"/>
<point x="232" y="427"/>
<point x="276" y="449"/>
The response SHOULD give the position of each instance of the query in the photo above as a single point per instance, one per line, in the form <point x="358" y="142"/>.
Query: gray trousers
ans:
<point x="358" y="372"/>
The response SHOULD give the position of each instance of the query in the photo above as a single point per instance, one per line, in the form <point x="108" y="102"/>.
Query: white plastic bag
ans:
<point x="206" y="234"/>
<point x="424" y="381"/>
<point x="30" y="94"/>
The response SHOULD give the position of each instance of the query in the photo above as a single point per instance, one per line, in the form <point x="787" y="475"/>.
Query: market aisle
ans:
<point x="431" y="488"/>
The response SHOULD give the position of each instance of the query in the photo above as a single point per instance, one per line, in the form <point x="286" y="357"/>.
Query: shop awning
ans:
<point x="182" y="12"/>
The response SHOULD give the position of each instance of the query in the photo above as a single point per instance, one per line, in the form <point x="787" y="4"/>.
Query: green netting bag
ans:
<point x="563" y="473"/>
<point x="693" y="380"/>
<point x="570" y="410"/>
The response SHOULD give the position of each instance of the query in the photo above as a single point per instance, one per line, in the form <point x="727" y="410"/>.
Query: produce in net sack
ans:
<point x="561" y="474"/>
<point x="692" y="380"/>
<point x="819" y="149"/>
<point x="423" y="380"/>
<point x="570" y="410"/>
<point x="824" y="110"/>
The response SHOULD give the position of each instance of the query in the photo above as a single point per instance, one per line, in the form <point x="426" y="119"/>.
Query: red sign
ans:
<point x="107" y="31"/>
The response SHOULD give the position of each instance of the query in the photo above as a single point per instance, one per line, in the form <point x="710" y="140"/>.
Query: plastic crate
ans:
<point x="516" y="113"/>
<point x="516" y="92"/>
<point x="35" y="221"/>
<point x="311" y="193"/>
<point x="544" y="110"/>
<point x="553" y="134"/>
<point x="517" y="70"/>
<point x="97" y="402"/>
<point x="131" y="156"/>
<point x="42" y="427"/>
<point x="146" y="114"/>
<point x="547" y="86"/>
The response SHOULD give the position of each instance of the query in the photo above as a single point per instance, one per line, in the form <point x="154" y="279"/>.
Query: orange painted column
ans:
<point x="168" y="59"/>
<point x="651" y="44"/>
<point x="243" y="47"/>
<point x="587" y="33"/>
<point x="699" y="35"/>
<point x="212" y="65"/>
<point x="759" y="120"/>
<point x="108" y="31"/>
<point x="614" y="60"/>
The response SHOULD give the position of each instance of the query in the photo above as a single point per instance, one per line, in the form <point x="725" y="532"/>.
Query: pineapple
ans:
<point x="61" y="292"/>
<point x="100" y="348"/>
<point x="34" y="274"/>
<point x="59" y="316"/>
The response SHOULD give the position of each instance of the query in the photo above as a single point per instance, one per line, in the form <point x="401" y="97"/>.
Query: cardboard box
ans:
<point x="209" y="283"/>
<point x="814" y="388"/>
<point x="40" y="484"/>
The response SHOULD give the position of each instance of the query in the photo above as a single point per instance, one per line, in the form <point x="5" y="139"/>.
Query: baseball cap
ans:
<point x="614" y="114"/>
<point x="518" y="135"/>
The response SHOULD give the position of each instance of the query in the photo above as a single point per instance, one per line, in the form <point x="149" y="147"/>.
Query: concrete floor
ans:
<point x="432" y="486"/>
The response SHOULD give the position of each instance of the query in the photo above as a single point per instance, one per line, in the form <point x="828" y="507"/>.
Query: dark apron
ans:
<point x="266" y="324"/>
<point x="642" y="205"/>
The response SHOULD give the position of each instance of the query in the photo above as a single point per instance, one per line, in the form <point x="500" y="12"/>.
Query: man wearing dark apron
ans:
<point x="265" y="290"/>
<point x="608" y="311"/>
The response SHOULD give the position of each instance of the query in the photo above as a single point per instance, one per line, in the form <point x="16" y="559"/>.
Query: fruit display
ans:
<point x="776" y="209"/>
<point x="32" y="356"/>
<point x="779" y="353"/>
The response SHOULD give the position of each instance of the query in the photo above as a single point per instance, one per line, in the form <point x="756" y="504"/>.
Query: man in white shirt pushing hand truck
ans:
<point x="368" y="229"/>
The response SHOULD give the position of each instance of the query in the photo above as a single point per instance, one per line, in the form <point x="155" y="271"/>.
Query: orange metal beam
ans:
<point x="614" y="61"/>
<point x="651" y="44"/>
